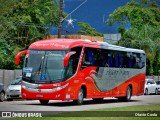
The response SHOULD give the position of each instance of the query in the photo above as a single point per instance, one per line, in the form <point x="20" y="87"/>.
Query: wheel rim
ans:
<point x="2" y="96"/>
<point x="156" y="91"/>
<point x="80" y="96"/>
<point x="128" y="94"/>
<point x="146" y="92"/>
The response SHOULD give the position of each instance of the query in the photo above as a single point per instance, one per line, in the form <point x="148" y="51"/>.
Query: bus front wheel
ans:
<point x="79" y="101"/>
<point x="44" y="102"/>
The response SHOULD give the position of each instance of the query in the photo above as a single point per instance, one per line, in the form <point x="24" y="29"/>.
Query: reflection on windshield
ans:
<point x="44" y="65"/>
<point x="16" y="81"/>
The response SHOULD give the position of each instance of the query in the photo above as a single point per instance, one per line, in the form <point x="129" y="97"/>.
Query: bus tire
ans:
<point x="79" y="101"/>
<point x="44" y="102"/>
<point x="128" y="95"/>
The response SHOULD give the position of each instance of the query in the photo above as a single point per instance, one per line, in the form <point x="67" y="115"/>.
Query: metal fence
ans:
<point x="156" y="78"/>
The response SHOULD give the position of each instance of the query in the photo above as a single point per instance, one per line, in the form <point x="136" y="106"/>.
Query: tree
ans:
<point x="30" y="20"/>
<point x="88" y="30"/>
<point x="148" y="39"/>
<point x="7" y="6"/>
<point x="136" y="14"/>
<point x="21" y="23"/>
<point x="7" y="55"/>
<point x="143" y="17"/>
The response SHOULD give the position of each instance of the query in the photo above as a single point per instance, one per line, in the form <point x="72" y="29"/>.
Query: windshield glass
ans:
<point x="16" y="81"/>
<point x="44" y="66"/>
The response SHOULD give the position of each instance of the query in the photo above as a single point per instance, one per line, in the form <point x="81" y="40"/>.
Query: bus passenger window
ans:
<point x="103" y="58"/>
<point x="90" y="56"/>
<point x="142" y="60"/>
<point x="77" y="55"/>
<point x="116" y="58"/>
<point x="85" y="61"/>
<point x="136" y="61"/>
<point x="110" y="60"/>
<point x="125" y="61"/>
<point x="87" y="58"/>
<point x="120" y="60"/>
<point x="98" y="57"/>
<point x="130" y="60"/>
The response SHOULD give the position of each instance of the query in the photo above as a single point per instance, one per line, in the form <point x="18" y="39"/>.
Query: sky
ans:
<point x="93" y="12"/>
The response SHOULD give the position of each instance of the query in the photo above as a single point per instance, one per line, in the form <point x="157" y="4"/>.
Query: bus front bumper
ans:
<point x="44" y="94"/>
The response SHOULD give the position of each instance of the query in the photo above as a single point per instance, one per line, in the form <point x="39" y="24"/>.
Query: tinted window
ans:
<point x="73" y="62"/>
<point x="112" y="58"/>
<point x="152" y="82"/>
<point x="158" y="82"/>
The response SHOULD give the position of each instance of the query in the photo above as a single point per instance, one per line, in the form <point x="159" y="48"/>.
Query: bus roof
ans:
<point x="64" y="44"/>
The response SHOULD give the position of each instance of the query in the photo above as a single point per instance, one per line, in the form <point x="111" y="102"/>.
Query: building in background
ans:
<point x="112" y="38"/>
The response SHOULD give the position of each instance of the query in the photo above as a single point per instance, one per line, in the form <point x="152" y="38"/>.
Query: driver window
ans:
<point x="88" y="59"/>
<point x="73" y="62"/>
<point x="70" y="68"/>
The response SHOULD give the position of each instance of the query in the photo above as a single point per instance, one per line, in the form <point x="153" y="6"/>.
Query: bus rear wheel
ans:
<point x="44" y="102"/>
<point x="128" y="95"/>
<point x="79" y="101"/>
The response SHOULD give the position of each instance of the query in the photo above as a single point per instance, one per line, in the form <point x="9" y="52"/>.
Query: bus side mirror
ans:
<point x="17" y="58"/>
<point x="67" y="56"/>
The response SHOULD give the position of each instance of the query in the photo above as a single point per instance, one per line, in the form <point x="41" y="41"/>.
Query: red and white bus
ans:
<point x="68" y="69"/>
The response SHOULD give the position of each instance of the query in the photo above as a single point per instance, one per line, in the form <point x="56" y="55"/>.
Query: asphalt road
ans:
<point x="34" y="105"/>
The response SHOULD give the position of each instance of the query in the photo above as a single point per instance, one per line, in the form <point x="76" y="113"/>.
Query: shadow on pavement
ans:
<point x="86" y="102"/>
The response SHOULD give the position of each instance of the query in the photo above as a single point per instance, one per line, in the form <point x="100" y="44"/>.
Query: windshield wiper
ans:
<point x="40" y="66"/>
<point x="46" y="69"/>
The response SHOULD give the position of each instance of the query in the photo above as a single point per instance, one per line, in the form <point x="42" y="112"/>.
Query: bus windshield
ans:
<point x="44" y="66"/>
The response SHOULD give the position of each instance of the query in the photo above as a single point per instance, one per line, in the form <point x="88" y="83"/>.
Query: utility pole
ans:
<point x="60" y="19"/>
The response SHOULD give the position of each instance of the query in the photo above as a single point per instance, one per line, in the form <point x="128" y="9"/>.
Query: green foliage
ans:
<point x="88" y="30"/>
<point x="144" y="33"/>
<point x="30" y="20"/>
<point x="148" y="39"/>
<point x="7" y="6"/>
<point x="136" y="14"/>
<point x="21" y="23"/>
<point x="7" y="55"/>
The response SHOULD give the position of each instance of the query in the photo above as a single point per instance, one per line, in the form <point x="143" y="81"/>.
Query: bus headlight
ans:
<point x="60" y="87"/>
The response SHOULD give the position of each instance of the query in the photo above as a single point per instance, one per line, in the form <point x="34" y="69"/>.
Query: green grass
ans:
<point x="111" y="112"/>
